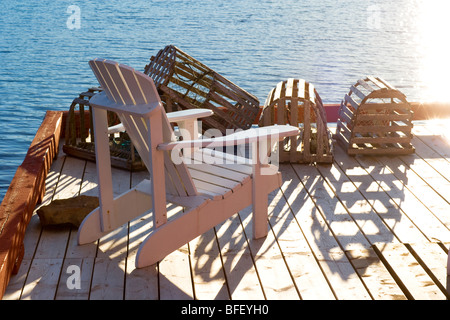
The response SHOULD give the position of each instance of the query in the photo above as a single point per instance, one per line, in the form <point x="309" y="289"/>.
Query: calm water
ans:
<point x="256" y="43"/>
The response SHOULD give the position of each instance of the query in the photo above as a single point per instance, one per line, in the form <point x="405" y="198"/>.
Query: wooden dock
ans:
<point x="359" y="228"/>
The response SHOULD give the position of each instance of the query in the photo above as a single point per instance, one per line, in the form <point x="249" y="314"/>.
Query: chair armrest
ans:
<point x="176" y="116"/>
<point x="189" y="114"/>
<point x="278" y="132"/>
<point x="187" y="121"/>
<point x="117" y="128"/>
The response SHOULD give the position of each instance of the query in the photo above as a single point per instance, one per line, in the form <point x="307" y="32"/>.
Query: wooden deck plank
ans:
<point x="435" y="139"/>
<point x="108" y="277"/>
<point x="140" y="284"/>
<point x="274" y="275"/>
<point x="303" y="266"/>
<point x="372" y="272"/>
<point x="175" y="279"/>
<point x="398" y="222"/>
<point x="361" y="228"/>
<point x="325" y="242"/>
<point x="42" y="279"/>
<point x="375" y="275"/>
<point x="416" y="210"/>
<point x="340" y="222"/>
<point x="424" y="182"/>
<point x="207" y="270"/>
<point x="420" y="183"/>
<point x="243" y="281"/>
<point x="17" y="282"/>
<point x="51" y="248"/>
<point x="433" y="258"/>
<point x="409" y="272"/>
<point x="75" y="279"/>
<point x="370" y="224"/>
<point x="435" y="160"/>
<point x="175" y="276"/>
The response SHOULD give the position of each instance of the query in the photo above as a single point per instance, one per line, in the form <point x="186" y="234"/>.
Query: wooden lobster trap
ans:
<point x="185" y="83"/>
<point x="375" y="118"/>
<point x="79" y="135"/>
<point x="296" y="102"/>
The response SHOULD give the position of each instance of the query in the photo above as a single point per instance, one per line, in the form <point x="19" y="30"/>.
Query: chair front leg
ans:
<point x="259" y="191"/>
<point x="103" y="162"/>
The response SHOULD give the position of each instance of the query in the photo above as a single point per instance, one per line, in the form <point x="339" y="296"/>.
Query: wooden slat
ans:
<point x="357" y="92"/>
<point x="140" y="284"/>
<point x="365" y="85"/>
<point x="380" y="283"/>
<point x="210" y="188"/>
<point x="219" y="171"/>
<point x="433" y="258"/>
<point x="242" y="277"/>
<point x="133" y="86"/>
<point x="358" y="140"/>
<point x="352" y="102"/>
<point x="289" y="218"/>
<point x="208" y="275"/>
<point x="326" y="242"/>
<point x="425" y="183"/>
<point x="359" y="210"/>
<point x="381" y="106"/>
<point x="370" y="186"/>
<point x="217" y="180"/>
<point x="172" y="175"/>
<point x="290" y="92"/>
<point x="388" y="117"/>
<point x="98" y="67"/>
<point x="416" y="210"/>
<point x="378" y="129"/>
<point x="416" y="283"/>
<point x="301" y="88"/>
<point x="395" y="150"/>
<point x="268" y="257"/>
<point x="120" y="84"/>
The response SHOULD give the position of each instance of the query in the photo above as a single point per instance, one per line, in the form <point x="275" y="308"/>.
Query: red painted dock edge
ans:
<point x="24" y="193"/>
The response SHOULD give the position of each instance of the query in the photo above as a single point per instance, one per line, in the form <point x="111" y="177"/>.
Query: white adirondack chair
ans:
<point x="209" y="191"/>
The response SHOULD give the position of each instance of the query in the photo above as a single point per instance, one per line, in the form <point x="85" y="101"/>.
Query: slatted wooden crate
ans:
<point x="375" y="118"/>
<point x="296" y="102"/>
<point x="185" y="83"/>
<point x="79" y="141"/>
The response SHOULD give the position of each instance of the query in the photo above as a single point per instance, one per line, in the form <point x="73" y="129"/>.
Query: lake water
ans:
<point x="45" y="47"/>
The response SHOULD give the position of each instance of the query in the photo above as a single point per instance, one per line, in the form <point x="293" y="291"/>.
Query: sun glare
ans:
<point x="433" y="27"/>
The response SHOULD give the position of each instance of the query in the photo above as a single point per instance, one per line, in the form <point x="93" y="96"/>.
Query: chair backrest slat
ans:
<point x="133" y="85"/>
<point x="119" y="82"/>
<point x="105" y="80"/>
<point x="126" y="86"/>
<point x="147" y="86"/>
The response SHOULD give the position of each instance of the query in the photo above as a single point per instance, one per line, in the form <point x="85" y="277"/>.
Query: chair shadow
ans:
<point x="376" y="189"/>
